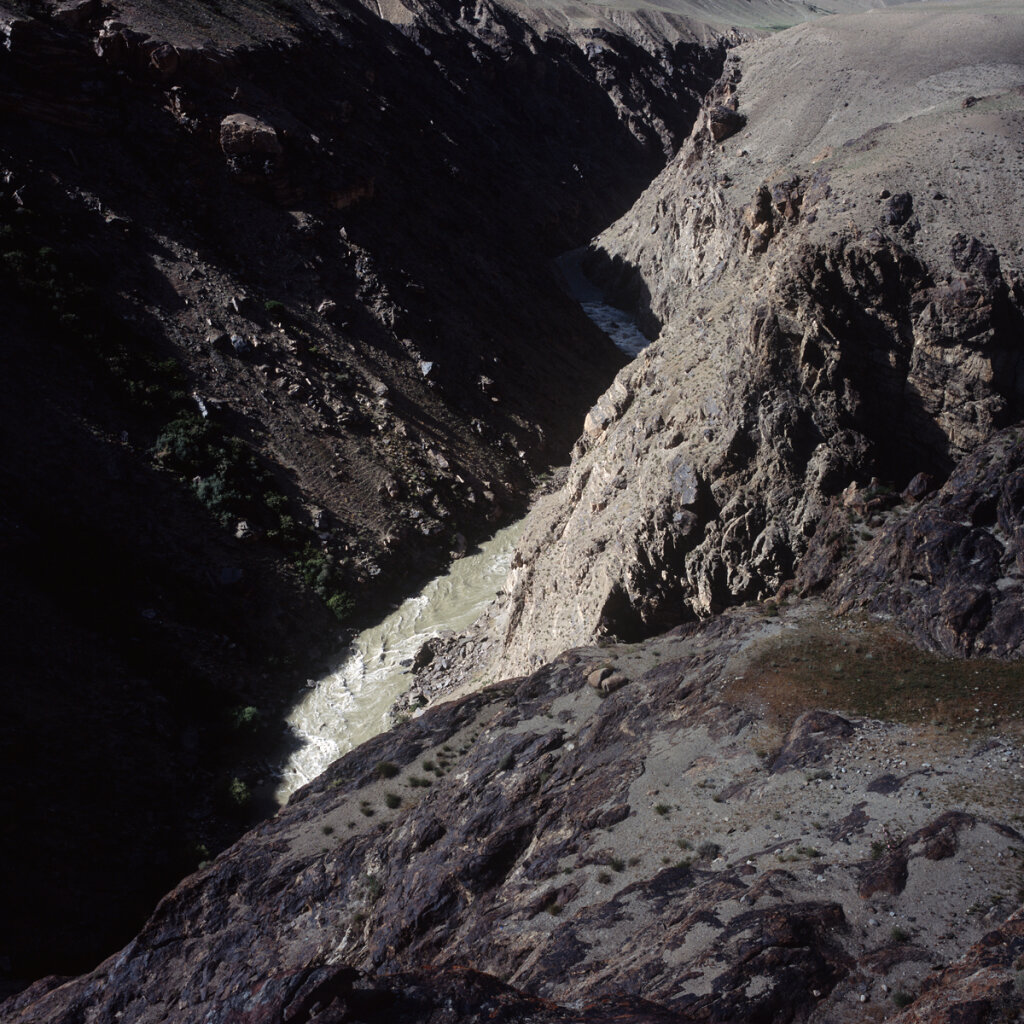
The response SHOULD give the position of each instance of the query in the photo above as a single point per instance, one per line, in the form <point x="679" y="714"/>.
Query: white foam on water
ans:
<point x="619" y="326"/>
<point x="351" y="704"/>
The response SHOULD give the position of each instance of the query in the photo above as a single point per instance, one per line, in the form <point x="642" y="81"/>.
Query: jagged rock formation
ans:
<point x="649" y="852"/>
<point x="674" y="829"/>
<point x="268" y="357"/>
<point x="946" y="566"/>
<point x="835" y="285"/>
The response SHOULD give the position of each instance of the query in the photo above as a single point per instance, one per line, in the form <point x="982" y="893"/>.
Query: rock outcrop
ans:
<point x="813" y="328"/>
<point x="666" y="852"/>
<point x="950" y="569"/>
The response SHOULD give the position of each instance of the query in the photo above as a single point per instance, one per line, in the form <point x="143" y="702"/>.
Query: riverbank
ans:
<point x="353" y="702"/>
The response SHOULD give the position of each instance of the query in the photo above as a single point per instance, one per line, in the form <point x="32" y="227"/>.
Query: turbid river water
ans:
<point x="351" y="705"/>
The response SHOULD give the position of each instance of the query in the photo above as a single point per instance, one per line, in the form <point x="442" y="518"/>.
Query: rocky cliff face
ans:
<point x="833" y="275"/>
<point x="649" y="829"/>
<point x="269" y="360"/>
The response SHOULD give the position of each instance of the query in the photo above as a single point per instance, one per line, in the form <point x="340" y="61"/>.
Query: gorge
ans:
<point x="741" y="737"/>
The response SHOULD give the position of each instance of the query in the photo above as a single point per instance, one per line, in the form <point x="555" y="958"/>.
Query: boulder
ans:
<point x="724" y="121"/>
<point x="244" y="135"/>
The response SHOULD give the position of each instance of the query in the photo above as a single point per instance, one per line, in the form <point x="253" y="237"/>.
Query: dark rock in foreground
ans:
<point x="630" y="854"/>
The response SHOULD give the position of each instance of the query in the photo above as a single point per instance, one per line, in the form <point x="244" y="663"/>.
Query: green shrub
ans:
<point x="219" y="467"/>
<point x="392" y="800"/>
<point x="385" y="770"/>
<point x="321" y="575"/>
<point x="238" y="793"/>
<point x="246" y="718"/>
<point x="341" y="605"/>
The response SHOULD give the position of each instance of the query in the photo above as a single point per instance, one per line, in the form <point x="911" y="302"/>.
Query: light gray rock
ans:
<point x="802" y="345"/>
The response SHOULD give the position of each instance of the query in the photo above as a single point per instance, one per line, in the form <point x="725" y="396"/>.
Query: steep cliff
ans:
<point x="268" y="360"/>
<point x="832" y="270"/>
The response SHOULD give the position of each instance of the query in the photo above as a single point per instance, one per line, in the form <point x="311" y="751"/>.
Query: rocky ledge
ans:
<point x="696" y="843"/>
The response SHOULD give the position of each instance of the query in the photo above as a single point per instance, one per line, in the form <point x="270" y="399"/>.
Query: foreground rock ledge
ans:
<point x="665" y="852"/>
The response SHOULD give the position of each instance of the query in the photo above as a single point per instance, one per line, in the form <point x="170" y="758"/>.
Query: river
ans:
<point x="351" y="705"/>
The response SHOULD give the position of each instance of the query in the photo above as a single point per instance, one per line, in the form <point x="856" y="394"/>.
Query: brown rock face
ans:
<point x="950" y="569"/>
<point x="805" y="344"/>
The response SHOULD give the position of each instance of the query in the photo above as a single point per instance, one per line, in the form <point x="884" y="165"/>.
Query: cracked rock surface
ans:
<point x="668" y="849"/>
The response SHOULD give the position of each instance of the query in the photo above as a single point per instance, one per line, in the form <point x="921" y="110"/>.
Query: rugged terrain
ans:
<point x="689" y="839"/>
<point x="728" y="783"/>
<point x="833" y="273"/>
<point x="269" y="360"/>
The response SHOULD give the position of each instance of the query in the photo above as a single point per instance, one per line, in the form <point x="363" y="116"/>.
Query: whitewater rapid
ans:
<point x="351" y="705"/>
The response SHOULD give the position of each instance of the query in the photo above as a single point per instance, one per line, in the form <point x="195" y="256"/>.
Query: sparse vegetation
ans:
<point x="899" y="935"/>
<point x="246" y="719"/>
<point x="276" y="310"/>
<point x="239" y="793"/>
<point x="873" y="671"/>
<point x="708" y="850"/>
<point x="392" y="800"/>
<point x="385" y="770"/>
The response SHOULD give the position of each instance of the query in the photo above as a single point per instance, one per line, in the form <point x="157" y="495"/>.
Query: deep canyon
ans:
<point x="286" y="331"/>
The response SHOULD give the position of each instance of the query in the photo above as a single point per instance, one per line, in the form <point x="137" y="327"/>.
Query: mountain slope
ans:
<point x="833" y="269"/>
<point x="775" y="814"/>
<point x="280" y="337"/>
